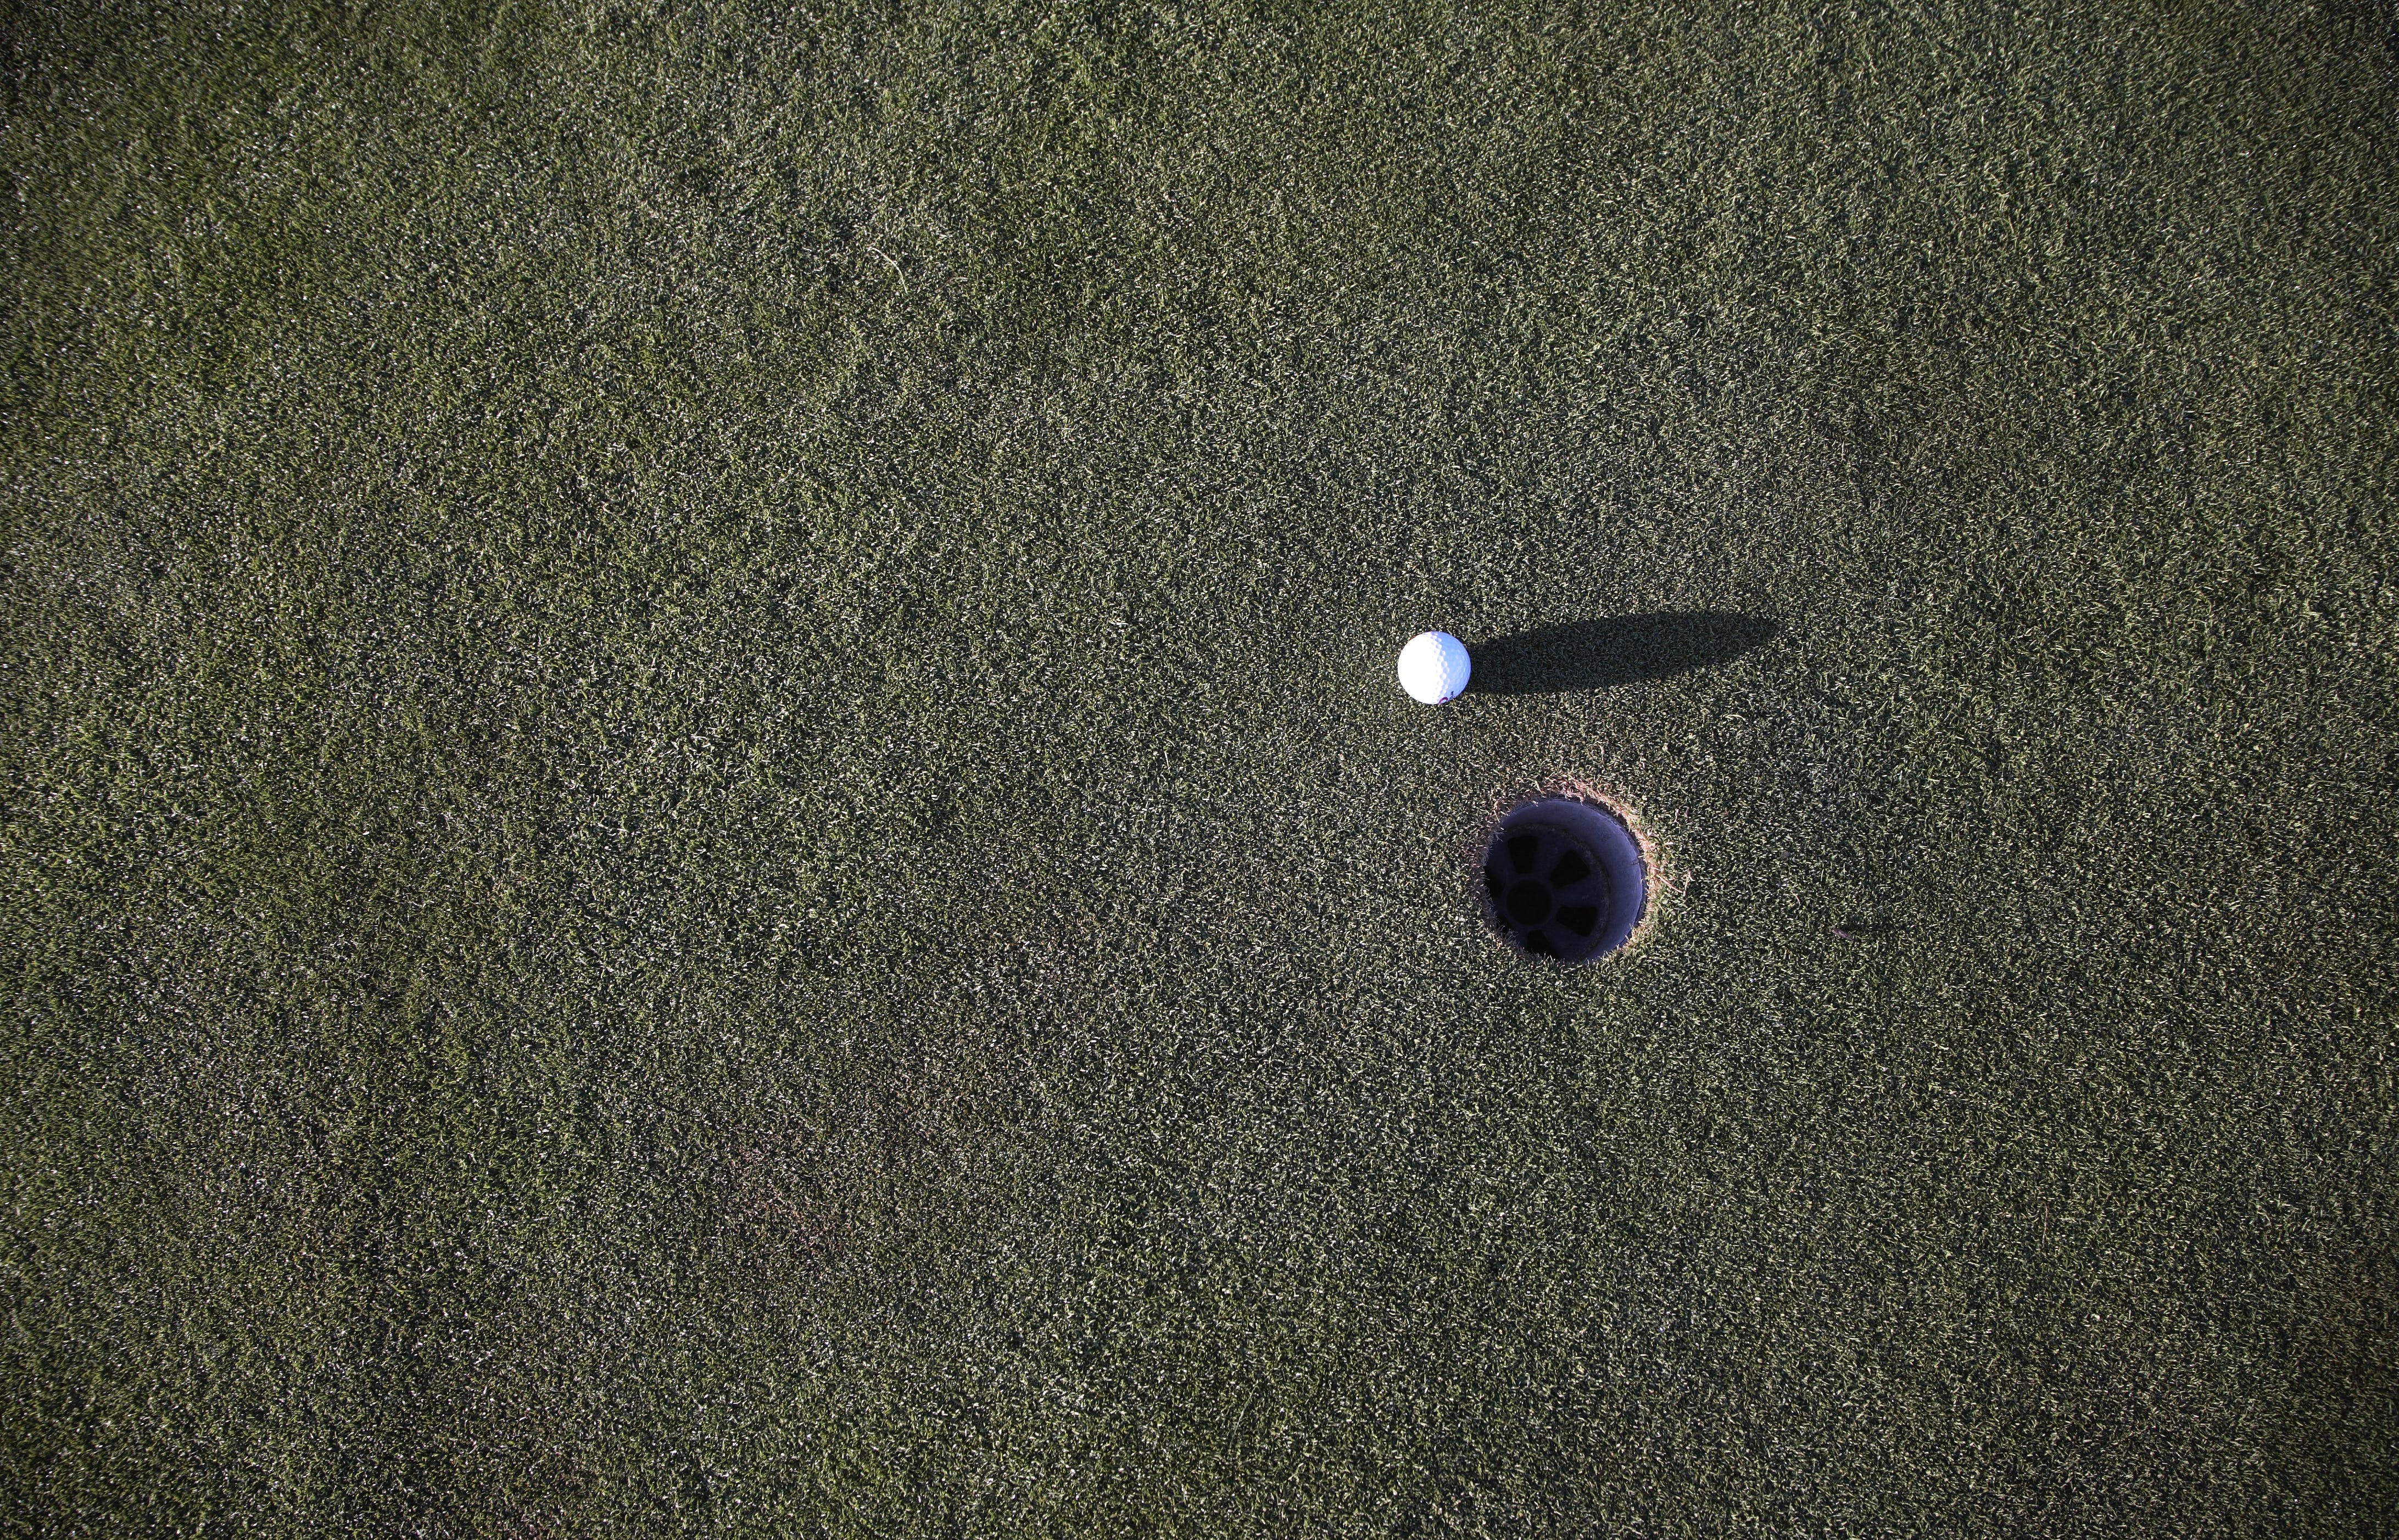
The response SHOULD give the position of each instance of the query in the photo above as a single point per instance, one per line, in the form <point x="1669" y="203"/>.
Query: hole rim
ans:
<point x="1617" y="890"/>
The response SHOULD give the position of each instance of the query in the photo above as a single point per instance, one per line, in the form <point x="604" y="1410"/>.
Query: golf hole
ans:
<point x="1564" y="878"/>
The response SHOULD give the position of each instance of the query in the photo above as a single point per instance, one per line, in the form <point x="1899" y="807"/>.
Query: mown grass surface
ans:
<point x="706" y="830"/>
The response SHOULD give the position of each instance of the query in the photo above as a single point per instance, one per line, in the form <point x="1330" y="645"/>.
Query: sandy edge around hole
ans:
<point x="1666" y="880"/>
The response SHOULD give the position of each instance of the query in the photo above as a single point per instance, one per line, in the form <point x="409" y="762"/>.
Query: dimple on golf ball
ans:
<point x="1435" y="668"/>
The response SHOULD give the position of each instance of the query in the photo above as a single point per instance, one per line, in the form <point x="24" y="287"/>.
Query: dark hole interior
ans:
<point x="1528" y="903"/>
<point x="1549" y="897"/>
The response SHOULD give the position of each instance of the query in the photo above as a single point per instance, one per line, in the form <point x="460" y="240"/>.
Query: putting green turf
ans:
<point x="706" y="826"/>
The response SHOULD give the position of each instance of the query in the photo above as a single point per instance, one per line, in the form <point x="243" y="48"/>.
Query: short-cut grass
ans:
<point x="704" y="826"/>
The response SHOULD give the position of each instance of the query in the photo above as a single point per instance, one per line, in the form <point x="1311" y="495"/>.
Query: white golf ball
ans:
<point x="1435" y="668"/>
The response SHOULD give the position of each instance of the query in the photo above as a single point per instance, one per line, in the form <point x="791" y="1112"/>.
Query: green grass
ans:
<point x="703" y="827"/>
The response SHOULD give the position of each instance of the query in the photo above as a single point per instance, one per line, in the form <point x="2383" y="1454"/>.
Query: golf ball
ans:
<point x="1433" y="668"/>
